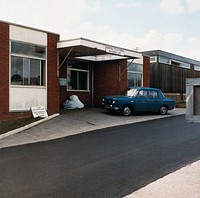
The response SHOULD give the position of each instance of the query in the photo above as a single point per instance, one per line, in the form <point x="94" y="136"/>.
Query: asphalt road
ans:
<point x="106" y="163"/>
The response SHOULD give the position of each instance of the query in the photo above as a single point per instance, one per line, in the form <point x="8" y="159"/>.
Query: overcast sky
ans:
<point x="169" y="25"/>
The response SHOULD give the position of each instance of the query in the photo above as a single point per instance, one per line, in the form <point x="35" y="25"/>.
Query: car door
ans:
<point x="153" y="101"/>
<point x="141" y="103"/>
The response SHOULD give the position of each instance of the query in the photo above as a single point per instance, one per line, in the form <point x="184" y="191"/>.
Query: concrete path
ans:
<point x="72" y="122"/>
<point x="183" y="183"/>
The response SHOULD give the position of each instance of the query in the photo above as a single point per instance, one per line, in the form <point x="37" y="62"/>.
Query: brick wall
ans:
<point x="84" y="96"/>
<point x="4" y="76"/>
<point x="110" y="78"/>
<point x="4" y="70"/>
<point x="146" y="71"/>
<point x="53" y="91"/>
<point x="52" y="84"/>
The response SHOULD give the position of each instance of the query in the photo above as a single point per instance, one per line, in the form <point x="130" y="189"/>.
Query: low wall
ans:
<point x="178" y="97"/>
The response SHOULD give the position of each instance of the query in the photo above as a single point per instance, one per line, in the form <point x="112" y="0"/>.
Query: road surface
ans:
<point x="106" y="163"/>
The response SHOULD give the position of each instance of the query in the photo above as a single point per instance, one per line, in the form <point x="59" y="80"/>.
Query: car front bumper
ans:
<point x="110" y="107"/>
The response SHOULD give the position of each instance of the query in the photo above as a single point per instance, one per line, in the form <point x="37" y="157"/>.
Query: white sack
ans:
<point x="73" y="103"/>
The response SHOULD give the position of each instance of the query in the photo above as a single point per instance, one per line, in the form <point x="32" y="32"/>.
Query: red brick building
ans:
<point x="28" y="71"/>
<point x="37" y="69"/>
<point x="90" y="69"/>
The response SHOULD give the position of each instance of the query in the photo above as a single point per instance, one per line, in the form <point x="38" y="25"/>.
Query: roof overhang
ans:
<point x="88" y="50"/>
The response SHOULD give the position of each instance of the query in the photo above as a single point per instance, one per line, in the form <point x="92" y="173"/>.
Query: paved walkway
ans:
<point x="72" y="122"/>
<point x="184" y="183"/>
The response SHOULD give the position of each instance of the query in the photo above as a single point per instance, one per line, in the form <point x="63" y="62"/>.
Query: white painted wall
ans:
<point x="190" y="83"/>
<point x="28" y="35"/>
<point x="22" y="98"/>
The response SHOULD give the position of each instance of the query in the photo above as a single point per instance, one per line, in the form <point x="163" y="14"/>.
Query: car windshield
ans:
<point x="130" y="92"/>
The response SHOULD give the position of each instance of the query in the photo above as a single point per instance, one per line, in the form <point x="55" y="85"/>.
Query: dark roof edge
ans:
<point x="171" y="55"/>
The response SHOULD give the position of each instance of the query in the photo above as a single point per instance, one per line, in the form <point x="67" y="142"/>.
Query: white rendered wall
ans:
<point x="22" y="98"/>
<point x="28" y="35"/>
<point x="190" y="83"/>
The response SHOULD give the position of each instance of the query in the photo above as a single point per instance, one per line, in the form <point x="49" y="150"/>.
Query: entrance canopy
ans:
<point x="88" y="50"/>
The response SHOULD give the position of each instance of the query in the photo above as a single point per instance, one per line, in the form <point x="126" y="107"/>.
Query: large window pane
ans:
<point x="73" y="77"/>
<point x="135" y="73"/>
<point x="83" y="80"/>
<point x="35" y="72"/>
<point x="27" y="64"/>
<point x="77" y="77"/>
<point x="16" y="71"/>
<point x="27" y="49"/>
<point x="134" y="79"/>
<point x="42" y="73"/>
<point x="25" y="71"/>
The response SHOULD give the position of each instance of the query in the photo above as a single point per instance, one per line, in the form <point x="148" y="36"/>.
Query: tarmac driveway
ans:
<point x="71" y="122"/>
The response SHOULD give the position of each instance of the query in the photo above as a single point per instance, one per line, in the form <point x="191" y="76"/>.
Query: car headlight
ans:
<point x="103" y="99"/>
<point x="113" y="102"/>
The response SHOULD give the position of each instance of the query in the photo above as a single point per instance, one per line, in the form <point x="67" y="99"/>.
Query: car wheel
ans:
<point x="127" y="110"/>
<point x="163" y="110"/>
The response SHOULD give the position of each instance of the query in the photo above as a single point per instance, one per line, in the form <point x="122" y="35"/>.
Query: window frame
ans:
<point x="43" y="65"/>
<point x="197" y="67"/>
<point x="137" y="73"/>
<point x="77" y="70"/>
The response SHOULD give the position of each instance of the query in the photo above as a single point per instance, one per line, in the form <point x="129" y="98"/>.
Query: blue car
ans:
<point x="139" y="99"/>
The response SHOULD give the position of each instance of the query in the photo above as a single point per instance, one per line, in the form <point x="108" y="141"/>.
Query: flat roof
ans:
<point x="171" y="56"/>
<point x="31" y="28"/>
<point x="85" y="49"/>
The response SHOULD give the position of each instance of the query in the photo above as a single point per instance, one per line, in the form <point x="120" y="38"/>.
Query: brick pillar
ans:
<point x="110" y="78"/>
<point x="146" y="71"/>
<point x="53" y="88"/>
<point x="4" y="69"/>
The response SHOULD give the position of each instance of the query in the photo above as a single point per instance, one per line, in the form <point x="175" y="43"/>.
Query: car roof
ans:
<point x="147" y="88"/>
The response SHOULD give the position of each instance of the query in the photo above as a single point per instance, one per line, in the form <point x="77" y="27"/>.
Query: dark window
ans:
<point x="28" y="49"/>
<point x="27" y="64"/>
<point x="78" y="77"/>
<point x="26" y="71"/>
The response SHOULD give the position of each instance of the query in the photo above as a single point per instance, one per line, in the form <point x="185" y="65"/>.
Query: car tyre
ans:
<point x="163" y="110"/>
<point x="127" y="110"/>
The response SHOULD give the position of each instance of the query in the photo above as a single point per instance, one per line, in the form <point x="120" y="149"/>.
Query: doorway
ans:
<point x="196" y="100"/>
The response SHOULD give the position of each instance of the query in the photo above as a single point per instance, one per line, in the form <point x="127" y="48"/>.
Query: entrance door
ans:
<point x="196" y="100"/>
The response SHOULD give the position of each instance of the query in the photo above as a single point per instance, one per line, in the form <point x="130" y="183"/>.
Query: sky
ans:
<point x="142" y="25"/>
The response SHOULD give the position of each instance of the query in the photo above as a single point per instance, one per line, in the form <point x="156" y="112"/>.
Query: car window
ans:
<point x="130" y="92"/>
<point x="142" y="94"/>
<point x="153" y="94"/>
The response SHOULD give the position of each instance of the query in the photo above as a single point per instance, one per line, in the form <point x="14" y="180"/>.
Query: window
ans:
<point x="78" y="77"/>
<point x="185" y="65"/>
<point x="153" y="59"/>
<point x="135" y="74"/>
<point x="28" y="49"/>
<point x="142" y="94"/>
<point x="27" y="64"/>
<point x="164" y="60"/>
<point x="153" y="94"/>
<point x="180" y="64"/>
<point x="196" y="67"/>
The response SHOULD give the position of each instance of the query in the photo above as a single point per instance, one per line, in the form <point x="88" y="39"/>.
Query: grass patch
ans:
<point x="6" y="126"/>
<point x="180" y="105"/>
